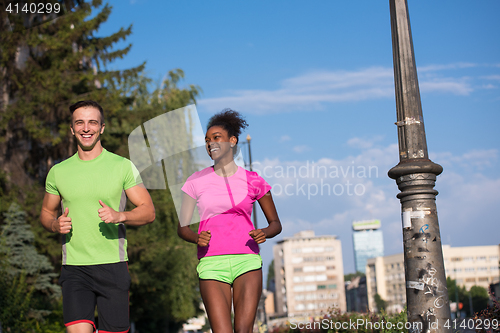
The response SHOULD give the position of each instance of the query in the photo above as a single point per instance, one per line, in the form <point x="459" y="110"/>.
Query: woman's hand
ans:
<point x="203" y="238"/>
<point x="258" y="235"/>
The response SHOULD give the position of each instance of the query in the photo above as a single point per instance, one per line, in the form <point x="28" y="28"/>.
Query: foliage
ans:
<point x="380" y="303"/>
<point x="350" y="276"/>
<point x="44" y="69"/>
<point x="164" y="291"/>
<point x="336" y="322"/>
<point x="477" y="294"/>
<point x="490" y="313"/>
<point x="27" y="292"/>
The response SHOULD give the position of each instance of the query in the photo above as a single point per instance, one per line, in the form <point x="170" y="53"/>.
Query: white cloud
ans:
<point x="447" y="85"/>
<point x="362" y="143"/>
<point x="491" y="77"/>
<point x="467" y="201"/>
<point x="313" y="90"/>
<point x="285" y="138"/>
<point x="301" y="148"/>
<point x="434" y="68"/>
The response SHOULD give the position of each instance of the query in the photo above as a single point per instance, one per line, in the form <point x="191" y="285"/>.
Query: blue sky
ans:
<point x="315" y="82"/>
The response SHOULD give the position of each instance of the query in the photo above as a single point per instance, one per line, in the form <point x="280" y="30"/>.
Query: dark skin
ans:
<point x="247" y="288"/>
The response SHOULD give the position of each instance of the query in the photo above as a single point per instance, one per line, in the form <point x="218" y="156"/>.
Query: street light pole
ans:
<point x="426" y="291"/>
<point x="254" y="211"/>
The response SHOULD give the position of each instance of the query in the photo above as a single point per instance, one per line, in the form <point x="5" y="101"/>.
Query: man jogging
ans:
<point x="92" y="185"/>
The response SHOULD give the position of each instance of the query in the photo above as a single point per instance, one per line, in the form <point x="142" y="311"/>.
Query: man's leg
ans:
<point x="247" y="289"/>
<point x="216" y="297"/>
<point x="80" y="328"/>
<point x="112" y="287"/>
<point x="79" y="299"/>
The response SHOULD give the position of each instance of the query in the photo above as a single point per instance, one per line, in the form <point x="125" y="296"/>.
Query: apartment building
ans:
<point x="309" y="275"/>
<point x="469" y="266"/>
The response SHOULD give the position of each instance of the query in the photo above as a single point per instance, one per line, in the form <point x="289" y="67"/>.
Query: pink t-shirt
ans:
<point x="225" y="208"/>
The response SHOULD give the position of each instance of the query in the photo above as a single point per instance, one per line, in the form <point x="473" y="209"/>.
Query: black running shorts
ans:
<point x="106" y="286"/>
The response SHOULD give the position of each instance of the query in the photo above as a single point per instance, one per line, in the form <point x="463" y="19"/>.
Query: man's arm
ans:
<point x="48" y="215"/>
<point x="143" y="213"/>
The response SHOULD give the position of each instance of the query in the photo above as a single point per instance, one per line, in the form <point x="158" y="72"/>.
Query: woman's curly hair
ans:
<point x="230" y="120"/>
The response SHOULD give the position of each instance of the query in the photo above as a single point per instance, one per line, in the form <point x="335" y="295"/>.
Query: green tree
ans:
<point x="380" y="303"/>
<point x="477" y="294"/>
<point x="348" y="277"/>
<point x="43" y="70"/>
<point x="479" y="297"/>
<point x="164" y="290"/>
<point x="33" y="294"/>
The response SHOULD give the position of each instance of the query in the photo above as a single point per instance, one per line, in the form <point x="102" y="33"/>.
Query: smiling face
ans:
<point x="87" y="127"/>
<point x="219" y="144"/>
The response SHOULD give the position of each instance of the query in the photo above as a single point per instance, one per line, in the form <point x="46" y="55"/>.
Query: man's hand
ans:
<point x="258" y="235"/>
<point x="63" y="224"/>
<point x="204" y="238"/>
<point x="108" y="214"/>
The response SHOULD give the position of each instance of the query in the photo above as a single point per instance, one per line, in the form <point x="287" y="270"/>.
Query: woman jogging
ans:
<point x="227" y="241"/>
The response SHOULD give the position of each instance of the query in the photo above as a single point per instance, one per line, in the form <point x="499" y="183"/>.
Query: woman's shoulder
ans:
<point x="198" y="174"/>
<point x="251" y="174"/>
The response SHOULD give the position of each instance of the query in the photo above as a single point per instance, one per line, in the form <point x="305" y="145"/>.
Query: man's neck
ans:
<point x="87" y="155"/>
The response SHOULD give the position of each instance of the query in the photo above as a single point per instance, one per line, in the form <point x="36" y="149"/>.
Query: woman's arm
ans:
<point x="274" y="227"/>
<point x="183" y="229"/>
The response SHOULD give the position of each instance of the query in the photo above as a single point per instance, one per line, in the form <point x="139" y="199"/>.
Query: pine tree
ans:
<point x="43" y="69"/>
<point x="31" y="273"/>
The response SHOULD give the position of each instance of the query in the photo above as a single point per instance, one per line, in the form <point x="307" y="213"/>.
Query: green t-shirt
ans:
<point x="81" y="184"/>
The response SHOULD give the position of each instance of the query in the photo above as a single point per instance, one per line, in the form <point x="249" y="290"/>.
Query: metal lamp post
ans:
<point x="254" y="212"/>
<point x="426" y="292"/>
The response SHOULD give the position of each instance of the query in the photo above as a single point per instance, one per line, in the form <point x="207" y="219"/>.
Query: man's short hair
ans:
<point x="89" y="103"/>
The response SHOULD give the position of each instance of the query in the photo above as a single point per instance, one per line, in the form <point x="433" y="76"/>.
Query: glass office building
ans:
<point x="368" y="242"/>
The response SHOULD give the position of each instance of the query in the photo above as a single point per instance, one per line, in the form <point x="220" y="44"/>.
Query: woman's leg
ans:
<point x="247" y="289"/>
<point x="216" y="297"/>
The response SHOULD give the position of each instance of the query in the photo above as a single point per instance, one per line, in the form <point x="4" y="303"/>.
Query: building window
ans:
<point x="332" y="286"/>
<point x="481" y="258"/>
<point x="330" y="267"/>
<point x="299" y="307"/>
<point x="321" y="286"/>
<point x="310" y="287"/>
<point x="298" y="288"/>
<point x="297" y="269"/>
<point x="483" y="279"/>
<point x="470" y="280"/>
<point x="330" y="258"/>
<point x="297" y="260"/>
<point x="309" y="278"/>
